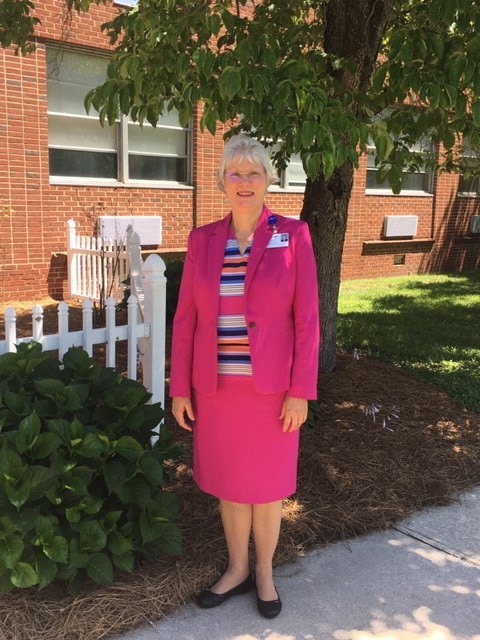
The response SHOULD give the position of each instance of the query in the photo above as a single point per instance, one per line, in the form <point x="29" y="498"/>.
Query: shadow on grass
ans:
<point x="429" y="328"/>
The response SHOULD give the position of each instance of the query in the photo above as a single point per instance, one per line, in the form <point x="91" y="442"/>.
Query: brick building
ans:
<point x="56" y="163"/>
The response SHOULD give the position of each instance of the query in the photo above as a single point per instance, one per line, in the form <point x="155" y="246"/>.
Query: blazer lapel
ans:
<point x="262" y="236"/>
<point x="215" y="256"/>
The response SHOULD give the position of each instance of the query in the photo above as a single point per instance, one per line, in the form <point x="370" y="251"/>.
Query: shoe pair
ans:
<point x="207" y="599"/>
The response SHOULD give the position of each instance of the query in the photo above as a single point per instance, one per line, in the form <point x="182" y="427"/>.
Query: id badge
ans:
<point x="278" y="240"/>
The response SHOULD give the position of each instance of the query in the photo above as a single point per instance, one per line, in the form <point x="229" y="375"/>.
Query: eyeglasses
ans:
<point x="253" y="176"/>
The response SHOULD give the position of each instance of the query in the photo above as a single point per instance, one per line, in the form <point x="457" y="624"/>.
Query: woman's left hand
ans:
<point x="294" y="413"/>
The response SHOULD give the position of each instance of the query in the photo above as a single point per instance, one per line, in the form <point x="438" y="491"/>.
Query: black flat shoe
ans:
<point x="208" y="599"/>
<point x="269" y="608"/>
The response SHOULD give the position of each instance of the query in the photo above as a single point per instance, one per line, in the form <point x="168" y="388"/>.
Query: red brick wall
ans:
<point x="33" y="213"/>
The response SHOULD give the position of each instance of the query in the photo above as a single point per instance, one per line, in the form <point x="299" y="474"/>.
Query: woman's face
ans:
<point x="245" y="186"/>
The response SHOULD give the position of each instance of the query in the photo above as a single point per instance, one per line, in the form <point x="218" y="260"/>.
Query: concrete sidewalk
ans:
<point x="419" y="580"/>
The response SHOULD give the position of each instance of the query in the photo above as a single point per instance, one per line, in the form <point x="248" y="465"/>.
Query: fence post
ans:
<point x="10" y="329"/>
<point x="153" y="347"/>
<point x="71" y="257"/>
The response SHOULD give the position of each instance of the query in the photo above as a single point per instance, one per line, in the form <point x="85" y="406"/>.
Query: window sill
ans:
<point x="402" y="194"/>
<point x="277" y="189"/>
<point x="406" y="245"/>
<point x="95" y="182"/>
<point x="468" y="195"/>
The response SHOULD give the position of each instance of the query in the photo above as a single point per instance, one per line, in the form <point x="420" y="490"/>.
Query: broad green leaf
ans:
<point x="476" y="113"/>
<point x="11" y="549"/>
<point x="124" y="562"/>
<point x="170" y="539"/>
<point x="92" y="536"/>
<point x="151" y="469"/>
<point x="57" y="549"/>
<point x="164" y="506"/>
<point x="17" y="494"/>
<point x="99" y="569"/>
<point x="91" y="446"/>
<point x="119" y="544"/>
<point x="24" y="576"/>
<point x="115" y="473"/>
<point x="128" y="448"/>
<point x="229" y="82"/>
<point x="6" y="527"/>
<point x="135" y="491"/>
<point x="46" y="570"/>
<point x="45" y="445"/>
<point x="50" y="387"/>
<point x="10" y="463"/>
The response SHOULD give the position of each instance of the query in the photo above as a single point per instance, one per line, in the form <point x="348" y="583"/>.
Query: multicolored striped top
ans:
<point x="233" y="348"/>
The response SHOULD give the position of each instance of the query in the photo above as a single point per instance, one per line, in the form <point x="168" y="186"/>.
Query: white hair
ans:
<point x="240" y="148"/>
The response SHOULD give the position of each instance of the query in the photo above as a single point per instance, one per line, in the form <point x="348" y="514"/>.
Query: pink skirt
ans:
<point x="240" y="451"/>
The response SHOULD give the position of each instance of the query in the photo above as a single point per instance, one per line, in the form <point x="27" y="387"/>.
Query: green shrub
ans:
<point x="81" y="484"/>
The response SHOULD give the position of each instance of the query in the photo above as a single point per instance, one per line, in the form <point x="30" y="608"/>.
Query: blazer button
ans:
<point x="252" y="325"/>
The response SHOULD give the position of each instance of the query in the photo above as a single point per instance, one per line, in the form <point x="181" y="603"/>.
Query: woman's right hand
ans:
<point x="181" y="409"/>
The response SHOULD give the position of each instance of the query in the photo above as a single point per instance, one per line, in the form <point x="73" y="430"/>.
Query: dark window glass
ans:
<point x="157" y="168"/>
<point x="83" y="164"/>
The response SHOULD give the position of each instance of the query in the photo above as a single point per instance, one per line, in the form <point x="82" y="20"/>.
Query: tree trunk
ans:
<point x="354" y="31"/>
<point x="325" y="208"/>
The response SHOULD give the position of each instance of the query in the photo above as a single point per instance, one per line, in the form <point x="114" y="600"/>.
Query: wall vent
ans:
<point x="400" y="226"/>
<point x="149" y="228"/>
<point x="475" y="224"/>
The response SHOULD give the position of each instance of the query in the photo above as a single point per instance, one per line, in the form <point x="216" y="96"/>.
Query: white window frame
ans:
<point x="126" y="3"/>
<point x="405" y="192"/>
<point x="283" y="183"/>
<point x="122" y="152"/>
<point x="472" y="158"/>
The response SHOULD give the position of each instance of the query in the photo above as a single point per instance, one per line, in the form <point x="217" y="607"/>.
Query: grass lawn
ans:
<point x="427" y="325"/>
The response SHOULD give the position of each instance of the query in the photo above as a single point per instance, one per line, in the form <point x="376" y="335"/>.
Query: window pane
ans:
<point x="170" y="142"/>
<point x="157" y="168"/>
<point x="469" y="185"/>
<point x="82" y="164"/>
<point x="80" y="133"/>
<point x="411" y="181"/>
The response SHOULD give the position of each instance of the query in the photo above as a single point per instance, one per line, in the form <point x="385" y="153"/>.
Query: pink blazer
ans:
<point x="281" y="302"/>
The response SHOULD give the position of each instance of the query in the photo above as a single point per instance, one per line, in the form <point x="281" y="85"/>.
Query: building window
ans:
<point x="83" y="152"/>
<point x="469" y="184"/>
<point x="418" y="183"/>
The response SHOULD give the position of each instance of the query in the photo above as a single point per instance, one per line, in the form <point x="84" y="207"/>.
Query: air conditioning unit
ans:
<point x="475" y="224"/>
<point x="400" y="226"/>
<point x="149" y="228"/>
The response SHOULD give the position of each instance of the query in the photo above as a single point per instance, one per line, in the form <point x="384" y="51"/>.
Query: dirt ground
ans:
<point x="356" y="475"/>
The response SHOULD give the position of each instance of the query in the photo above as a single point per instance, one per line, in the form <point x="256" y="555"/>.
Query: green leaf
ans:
<point x="92" y="536"/>
<point x="119" y="544"/>
<point x="115" y="473"/>
<point x="170" y="539"/>
<point x="10" y="463"/>
<point x="229" y="82"/>
<point x="125" y="562"/>
<point x="134" y="491"/>
<point x="11" y="549"/>
<point x="91" y="446"/>
<point x="128" y="448"/>
<point x="46" y="570"/>
<point x="45" y="445"/>
<point x="99" y="569"/>
<point x="476" y="113"/>
<point x="24" y="576"/>
<point x="57" y="549"/>
<point x="6" y="527"/>
<point x="151" y="469"/>
<point x="50" y="387"/>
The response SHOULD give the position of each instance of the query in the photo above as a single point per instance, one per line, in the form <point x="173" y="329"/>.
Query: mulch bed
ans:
<point x="356" y="475"/>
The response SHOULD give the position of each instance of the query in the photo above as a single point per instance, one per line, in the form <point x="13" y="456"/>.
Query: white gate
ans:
<point x="97" y="267"/>
<point x="144" y="331"/>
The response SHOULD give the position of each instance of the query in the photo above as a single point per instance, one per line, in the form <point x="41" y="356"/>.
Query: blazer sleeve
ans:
<point x="306" y="320"/>
<point x="184" y="324"/>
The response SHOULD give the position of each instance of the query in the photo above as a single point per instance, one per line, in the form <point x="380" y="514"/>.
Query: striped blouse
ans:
<point x="233" y="347"/>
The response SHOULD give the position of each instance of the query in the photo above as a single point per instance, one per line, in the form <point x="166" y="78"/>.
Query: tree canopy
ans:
<point x="321" y="78"/>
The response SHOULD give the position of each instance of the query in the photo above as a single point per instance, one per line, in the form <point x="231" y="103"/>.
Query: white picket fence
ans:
<point x="97" y="267"/>
<point x="144" y="331"/>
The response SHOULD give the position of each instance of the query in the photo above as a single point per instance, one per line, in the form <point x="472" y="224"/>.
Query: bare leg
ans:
<point x="237" y="525"/>
<point x="266" y="530"/>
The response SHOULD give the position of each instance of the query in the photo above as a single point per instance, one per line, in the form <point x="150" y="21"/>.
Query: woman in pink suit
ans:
<point x="244" y="364"/>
